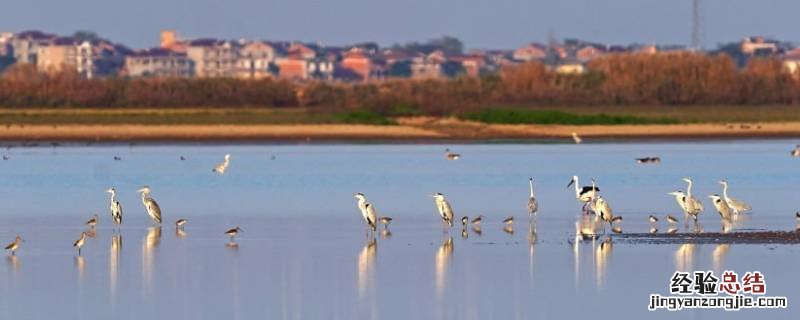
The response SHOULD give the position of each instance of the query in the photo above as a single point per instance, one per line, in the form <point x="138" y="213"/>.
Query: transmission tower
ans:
<point x="696" y="25"/>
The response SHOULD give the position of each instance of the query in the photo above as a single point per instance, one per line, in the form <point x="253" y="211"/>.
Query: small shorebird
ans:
<point x="576" y="138"/>
<point x="616" y="219"/>
<point x="115" y="207"/>
<point x="80" y="242"/>
<point x="533" y="205"/>
<point x="385" y="221"/>
<point x="737" y="206"/>
<point x="478" y="220"/>
<point x="180" y="222"/>
<point x="464" y="221"/>
<point x="444" y="208"/>
<point x="653" y="219"/>
<point x="450" y="155"/>
<point x="722" y="207"/>
<point x="796" y="151"/>
<point x="233" y="232"/>
<point x="14" y="245"/>
<point x="645" y="160"/>
<point x="182" y="158"/>
<point x="797" y="215"/>
<point x="153" y="210"/>
<point x="671" y="219"/>
<point x="91" y="223"/>
<point x="508" y="221"/>
<point x="5" y="157"/>
<point x="220" y="168"/>
<point x="367" y="211"/>
<point x="117" y="158"/>
<point x="584" y="194"/>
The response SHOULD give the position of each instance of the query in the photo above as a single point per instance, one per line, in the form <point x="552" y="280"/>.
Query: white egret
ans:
<point x="584" y="194"/>
<point x="444" y="208"/>
<point x="153" y="210"/>
<point x="222" y="166"/>
<point x="737" y="206"/>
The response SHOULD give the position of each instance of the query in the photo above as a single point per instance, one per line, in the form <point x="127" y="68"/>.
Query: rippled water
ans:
<point x="304" y="253"/>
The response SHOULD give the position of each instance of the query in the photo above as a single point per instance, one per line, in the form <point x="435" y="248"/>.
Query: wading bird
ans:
<point x="153" y="210"/>
<point x="797" y="215"/>
<point x="385" y="221"/>
<point x="80" y="242"/>
<point x="671" y="219"/>
<point x="738" y="206"/>
<point x="604" y="211"/>
<point x="464" y="221"/>
<point x="653" y="220"/>
<point x="366" y="207"/>
<point x="576" y="138"/>
<point x="14" y="245"/>
<point x="180" y="222"/>
<point x="796" y="151"/>
<point x="444" y="208"/>
<point x="233" y="232"/>
<point x="478" y="220"/>
<point x="533" y="205"/>
<point x="450" y="155"/>
<point x="721" y="206"/>
<point x="584" y="194"/>
<point x="508" y="221"/>
<point x="220" y="168"/>
<point x="690" y="205"/>
<point x="116" y="207"/>
<point x="92" y="222"/>
<point x="655" y="160"/>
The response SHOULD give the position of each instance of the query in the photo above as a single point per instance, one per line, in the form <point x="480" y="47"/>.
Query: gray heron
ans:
<point x="584" y="194"/>
<point x="450" y="155"/>
<point x="444" y="208"/>
<point x="533" y="205"/>
<point x="153" y="210"/>
<point x="222" y="166"/>
<point x="690" y="205"/>
<point x="576" y="138"/>
<point x="738" y="206"/>
<point x="115" y="207"/>
<point x="92" y="222"/>
<point x="14" y="245"/>
<point x="233" y="232"/>
<point x="721" y="206"/>
<point x="367" y="211"/>
<point x="80" y="242"/>
<point x="604" y="211"/>
<point x="180" y="222"/>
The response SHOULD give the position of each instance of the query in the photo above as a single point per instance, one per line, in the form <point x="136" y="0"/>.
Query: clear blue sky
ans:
<point x="479" y="23"/>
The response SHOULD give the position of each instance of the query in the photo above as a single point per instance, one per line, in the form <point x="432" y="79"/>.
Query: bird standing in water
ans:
<point x="80" y="242"/>
<point x="233" y="232"/>
<point x="533" y="205"/>
<point x="478" y="220"/>
<point x="464" y="221"/>
<point x="115" y="208"/>
<point x="180" y="222"/>
<point x="450" y="155"/>
<point x="153" y="210"/>
<point x="92" y="222"/>
<point x="14" y="245"/>
<point x="367" y="211"/>
<point x="445" y="211"/>
<point x="385" y="221"/>
<point x="737" y="206"/>
<point x="721" y="206"/>
<point x="222" y="166"/>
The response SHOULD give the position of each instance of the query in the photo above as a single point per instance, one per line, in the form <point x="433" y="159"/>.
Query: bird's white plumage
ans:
<point x="722" y="207"/>
<point x="444" y="208"/>
<point x="533" y="204"/>
<point x="115" y="207"/>
<point x="736" y="205"/>
<point x="153" y="210"/>
<point x="222" y="166"/>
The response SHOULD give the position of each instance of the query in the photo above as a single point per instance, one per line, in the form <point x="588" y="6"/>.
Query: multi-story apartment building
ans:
<point x="87" y="58"/>
<point x="25" y="45"/>
<point x="213" y="58"/>
<point x="255" y="59"/>
<point x="158" y="62"/>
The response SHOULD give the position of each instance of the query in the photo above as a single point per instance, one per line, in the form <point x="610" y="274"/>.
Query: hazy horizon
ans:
<point x="479" y="24"/>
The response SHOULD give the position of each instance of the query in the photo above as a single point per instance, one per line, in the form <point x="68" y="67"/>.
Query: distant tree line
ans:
<point x="625" y="79"/>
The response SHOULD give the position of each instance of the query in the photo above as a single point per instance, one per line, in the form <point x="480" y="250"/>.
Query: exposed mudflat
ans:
<point x="753" y="237"/>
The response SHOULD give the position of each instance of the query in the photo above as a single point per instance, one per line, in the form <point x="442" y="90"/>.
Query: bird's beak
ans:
<point x="672" y="193"/>
<point x="571" y="182"/>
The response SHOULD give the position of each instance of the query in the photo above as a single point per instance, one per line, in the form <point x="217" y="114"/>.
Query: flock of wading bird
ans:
<point x="729" y="208"/>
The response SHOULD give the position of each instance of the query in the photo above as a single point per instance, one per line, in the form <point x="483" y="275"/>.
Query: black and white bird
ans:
<point x="477" y="220"/>
<point x="233" y="232"/>
<point x="153" y="210"/>
<point x="14" y="245"/>
<point x="653" y="219"/>
<point x="451" y="155"/>
<point x="367" y="211"/>
<point x="671" y="219"/>
<point x="179" y="223"/>
<point x="584" y="194"/>
<point x="464" y="221"/>
<point x="92" y="222"/>
<point x="508" y="221"/>
<point x="533" y="205"/>
<point x="604" y="211"/>
<point x="80" y="242"/>
<point x="444" y="208"/>
<point x="645" y="160"/>
<point x="796" y="151"/>
<point x="115" y="208"/>
<point x="722" y="207"/>
<point x="738" y="206"/>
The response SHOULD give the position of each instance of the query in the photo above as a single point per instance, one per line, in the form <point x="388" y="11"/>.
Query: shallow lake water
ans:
<point x="304" y="252"/>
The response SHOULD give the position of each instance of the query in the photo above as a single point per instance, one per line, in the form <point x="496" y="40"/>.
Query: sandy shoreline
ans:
<point x="409" y="129"/>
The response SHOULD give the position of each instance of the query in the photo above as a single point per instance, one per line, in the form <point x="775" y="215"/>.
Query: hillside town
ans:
<point x="91" y="56"/>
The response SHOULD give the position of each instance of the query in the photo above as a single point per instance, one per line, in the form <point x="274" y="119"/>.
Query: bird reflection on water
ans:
<point x="149" y="244"/>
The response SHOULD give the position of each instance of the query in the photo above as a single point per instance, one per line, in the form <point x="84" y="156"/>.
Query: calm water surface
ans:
<point x="304" y="253"/>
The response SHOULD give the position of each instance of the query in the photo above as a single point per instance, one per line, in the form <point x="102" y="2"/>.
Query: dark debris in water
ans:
<point x="756" y="237"/>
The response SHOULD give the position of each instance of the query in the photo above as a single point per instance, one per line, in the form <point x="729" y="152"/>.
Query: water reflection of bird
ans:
<point x="115" y="208"/>
<point x="602" y="257"/>
<point x="450" y="155"/>
<point x="386" y="233"/>
<point x="738" y="206"/>
<point x="153" y="237"/>
<point x="113" y="262"/>
<point x="444" y="208"/>
<point x="222" y="166"/>
<point x="533" y="204"/>
<point x="476" y="228"/>
<point x="233" y="232"/>
<point x="584" y="194"/>
<point x="684" y="257"/>
<point x="442" y="261"/>
<point x="508" y="229"/>
<point x="80" y="242"/>
<point x="366" y="263"/>
<point x="653" y="229"/>
<point x="722" y="207"/>
<point x="464" y="233"/>
<point x="153" y="210"/>
<point x="14" y="245"/>
<point x="718" y="256"/>
<point x="92" y="222"/>
<point x="672" y="230"/>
